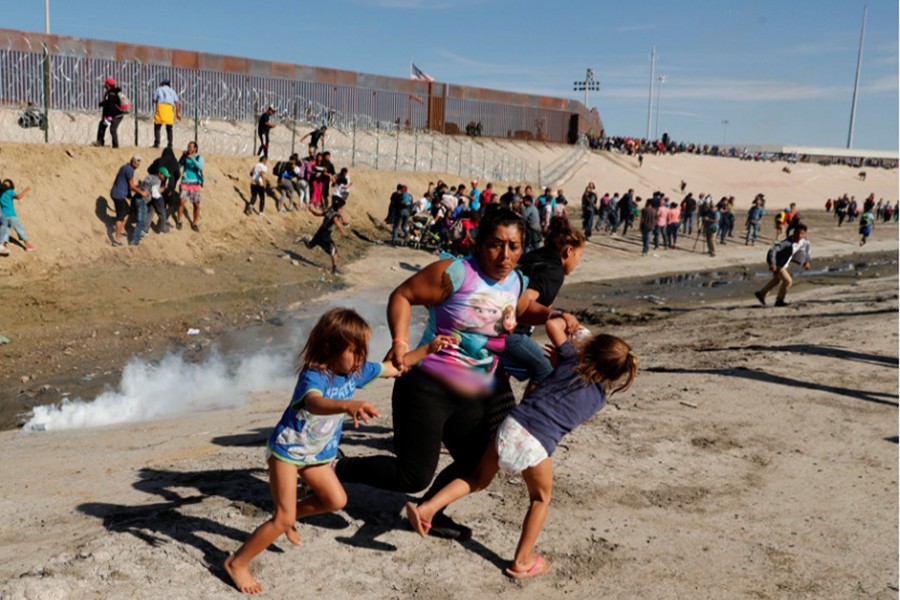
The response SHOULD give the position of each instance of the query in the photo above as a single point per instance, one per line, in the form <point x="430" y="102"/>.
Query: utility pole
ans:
<point x="650" y="96"/>
<point x="659" y="81"/>
<point x="724" y="131"/>
<point x="862" y="38"/>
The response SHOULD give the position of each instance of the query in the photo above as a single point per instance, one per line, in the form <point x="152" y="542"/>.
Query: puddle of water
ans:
<point x="685" y="290"/>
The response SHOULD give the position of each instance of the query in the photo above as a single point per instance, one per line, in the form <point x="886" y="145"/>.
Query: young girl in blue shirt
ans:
<point x="305" y="441"/>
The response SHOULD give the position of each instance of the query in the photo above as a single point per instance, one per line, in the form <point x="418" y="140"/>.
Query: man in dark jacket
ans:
<point x="112" y="114"/>
<point x="648" y="223"/>
<point x="791" y="249"/>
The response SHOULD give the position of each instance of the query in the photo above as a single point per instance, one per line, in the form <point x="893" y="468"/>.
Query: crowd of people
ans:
<point x="446" y="217"/>
<point x="167" y="189"/>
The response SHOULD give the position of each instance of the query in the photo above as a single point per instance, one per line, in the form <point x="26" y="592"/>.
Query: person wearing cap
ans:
<point x="168" y="109"/>
<point x="151" y="186"/>
<point x="122" y="188"/>
<point x="263" y="128"/>
<point x="112" y="113"/>
<point x="168" y="177"/>
<point x="754" y="218"/>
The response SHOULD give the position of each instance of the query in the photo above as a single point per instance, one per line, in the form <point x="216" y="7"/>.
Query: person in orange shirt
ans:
<point x="673" y="220"/>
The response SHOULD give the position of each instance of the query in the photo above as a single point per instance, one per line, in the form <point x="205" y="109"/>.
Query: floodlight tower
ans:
<point x="587" y="86"/>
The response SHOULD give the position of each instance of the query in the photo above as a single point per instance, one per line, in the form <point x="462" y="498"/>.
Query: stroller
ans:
<point x="421" y="233"/>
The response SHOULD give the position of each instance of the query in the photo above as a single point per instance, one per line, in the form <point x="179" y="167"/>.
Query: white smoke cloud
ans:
<point x="171" y="388"/>
<point x="175" y="387"/>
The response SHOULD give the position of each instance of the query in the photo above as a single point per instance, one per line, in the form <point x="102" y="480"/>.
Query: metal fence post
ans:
<point x="416" y="151"/>
<point x="46" y="94"/>
<point x="255" y="118"/>
<point x="377" y="143"/>
<point x="197" y="110"/>
<point x="397" y="151"/>
<point x="294" y="131"/>
<point x="134" y="96"/>
<point x="353" y="143"/>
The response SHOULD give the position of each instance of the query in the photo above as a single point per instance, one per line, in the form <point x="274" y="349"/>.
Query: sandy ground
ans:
<point x="755" y="457"/>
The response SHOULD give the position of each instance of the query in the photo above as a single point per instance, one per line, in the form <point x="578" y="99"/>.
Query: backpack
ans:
<point x="124" y="103"/>
<point x="280" y="167"/>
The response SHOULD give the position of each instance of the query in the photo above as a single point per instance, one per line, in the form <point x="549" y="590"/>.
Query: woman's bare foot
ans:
<point x="293" y="536"/>
<point x="242" y="578"/>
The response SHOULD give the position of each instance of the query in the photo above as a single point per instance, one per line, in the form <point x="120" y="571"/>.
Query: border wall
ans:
<point x="58" y="73"/>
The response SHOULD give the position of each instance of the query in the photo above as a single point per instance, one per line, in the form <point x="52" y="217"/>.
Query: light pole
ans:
<point x="47" y="17"/>
<point x="724" y="131"/>
<point x="586" y="86"/>
<point x="659" y="81"/>
<point x="650" y="95"/>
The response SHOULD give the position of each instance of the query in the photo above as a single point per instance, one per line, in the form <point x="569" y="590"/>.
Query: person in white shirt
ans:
<point x="258" y="185"/>
<point x="794" y="248"/>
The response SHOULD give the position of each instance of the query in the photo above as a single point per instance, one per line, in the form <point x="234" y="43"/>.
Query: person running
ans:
<point x="454" y="397"/>
<point x="191" y="164"/>
<point x="331" y="218"/>
<point x="305" y="441"/>
<point x="589" y="370"/>
<point x="122" y="188"/>
<point x="9" y="218"/>
<point x="866" y="222"/>
<point x="795" y="248"/>
<point x="546" y="270"/>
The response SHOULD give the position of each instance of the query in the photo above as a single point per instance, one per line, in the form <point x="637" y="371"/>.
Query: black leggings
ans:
<point x="426" y="414"/>
<point x="258" y="191"/>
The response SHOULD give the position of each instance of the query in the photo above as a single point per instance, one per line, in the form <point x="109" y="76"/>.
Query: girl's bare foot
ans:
<point x="242" y="578"/>
<point x="415" y="519"/>
<point x="539" y="567"/>
<point x="293" y="536"/>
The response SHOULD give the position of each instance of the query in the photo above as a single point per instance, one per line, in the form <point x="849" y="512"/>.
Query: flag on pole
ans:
<point x="415" y="98"/>
<point x="418" y="74"/>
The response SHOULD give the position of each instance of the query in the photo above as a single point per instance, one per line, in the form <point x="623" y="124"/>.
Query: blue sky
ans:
<point x="780" y="72"/>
